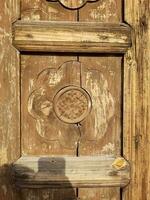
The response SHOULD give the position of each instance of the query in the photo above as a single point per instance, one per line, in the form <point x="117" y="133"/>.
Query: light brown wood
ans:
<point x="108" y="125"/>
<point x="9" y="99"/>
<point x="72" y="4"/>
<point x="71" y="37"/>
<point x="53" y="172"/>
<point x="31" y="66"/>
<point x="136" y="146"/>
<point x="47" y="134"/>
<point x="45" y="10"/>
<point x="102" y="136"/>
<point x="136" y="98"/>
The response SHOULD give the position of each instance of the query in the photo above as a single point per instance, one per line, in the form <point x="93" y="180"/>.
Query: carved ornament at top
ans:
<point x="73" y="4"/>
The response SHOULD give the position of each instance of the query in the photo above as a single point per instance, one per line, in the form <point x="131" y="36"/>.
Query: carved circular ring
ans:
<point x="74" y="4"/>
<point x="72" y="104"/>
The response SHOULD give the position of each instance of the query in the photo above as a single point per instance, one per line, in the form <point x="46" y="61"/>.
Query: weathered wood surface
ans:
<point x="60" y="172"/>
<point x="41" y="135"/>
<point x="31" y="65"/>
<point x="136" y="75"/>
<point x="9" y="98"/>
<point x="111" y="69"/>
<point x="72" y="4"/>
<point x="136" y="146"/>
<point x="71" y="37"/>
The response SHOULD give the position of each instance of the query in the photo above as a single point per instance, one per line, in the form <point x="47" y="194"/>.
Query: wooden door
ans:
<point x="74" y="100"/>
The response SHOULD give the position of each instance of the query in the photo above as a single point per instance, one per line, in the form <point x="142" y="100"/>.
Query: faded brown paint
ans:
<point x="110" y="67"/>
<point x="46" y="10"/>
<point x="136" y="91"/>
<point x="9" y="98"/>
<point x="136" y="130"/>
<point x="31" y="66"/>
<point x="85" y="171"/>
<point x="74" y="4"/>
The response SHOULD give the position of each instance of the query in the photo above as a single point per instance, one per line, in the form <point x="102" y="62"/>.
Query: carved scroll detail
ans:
<point x="74" y="4"/>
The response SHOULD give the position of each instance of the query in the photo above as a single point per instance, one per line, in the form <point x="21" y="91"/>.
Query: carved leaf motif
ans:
<point x="74" y="4"/>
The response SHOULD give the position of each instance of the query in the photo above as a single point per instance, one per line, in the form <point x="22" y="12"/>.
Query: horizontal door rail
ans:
<point x="57" y="172"/>
<point x="80" y="37"/>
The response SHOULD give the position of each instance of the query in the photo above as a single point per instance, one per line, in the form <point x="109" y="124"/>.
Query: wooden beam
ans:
<point x="71" y="37"/>
<point x="57" y="172"/>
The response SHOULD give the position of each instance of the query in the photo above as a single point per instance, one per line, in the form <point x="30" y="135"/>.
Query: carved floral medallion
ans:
<point x="67" y="101"/>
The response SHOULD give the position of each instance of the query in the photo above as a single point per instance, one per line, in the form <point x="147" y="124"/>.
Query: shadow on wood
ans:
<point x="46" y="167"/>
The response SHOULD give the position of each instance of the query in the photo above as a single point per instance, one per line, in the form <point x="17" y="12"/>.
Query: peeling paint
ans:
<point x="102" y="102"/>
<point x="108" y="149"/>
<point x="103" y="12"/>
<point x="4" y="188"/>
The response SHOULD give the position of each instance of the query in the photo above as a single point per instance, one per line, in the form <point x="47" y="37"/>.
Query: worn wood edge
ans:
<point x="71" y="37"/>
<point x="73" y="4"/>
<point x="136" y="146"/>
<point x="10" y="99"/>
<point x="85" y="171"/>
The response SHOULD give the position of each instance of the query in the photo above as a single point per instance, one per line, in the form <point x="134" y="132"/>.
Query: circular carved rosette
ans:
<point x="72" y="104"/>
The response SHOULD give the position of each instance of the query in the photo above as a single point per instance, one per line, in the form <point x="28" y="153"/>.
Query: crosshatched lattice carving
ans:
<point x="74" y="4"/>
<point x="72" y="104"/>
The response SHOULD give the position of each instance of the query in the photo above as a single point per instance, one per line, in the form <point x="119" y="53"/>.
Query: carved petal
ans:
<point x="40" y="103"/>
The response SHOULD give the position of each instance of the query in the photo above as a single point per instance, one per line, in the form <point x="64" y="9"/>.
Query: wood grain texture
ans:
<point x="9" y="99"/>
<point x="45" y="10"/>
<point x="102" y="11"/>
<point x="73" y="4"/>
<point x="60" y="172"/>
<point x="31" y="65"/>
<point x="137" y="100"/>
<point x="110" y="68"/>
<point x="35" y="139"/>
<point x="102" y="135"/>
<point x="71" y="37"/>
